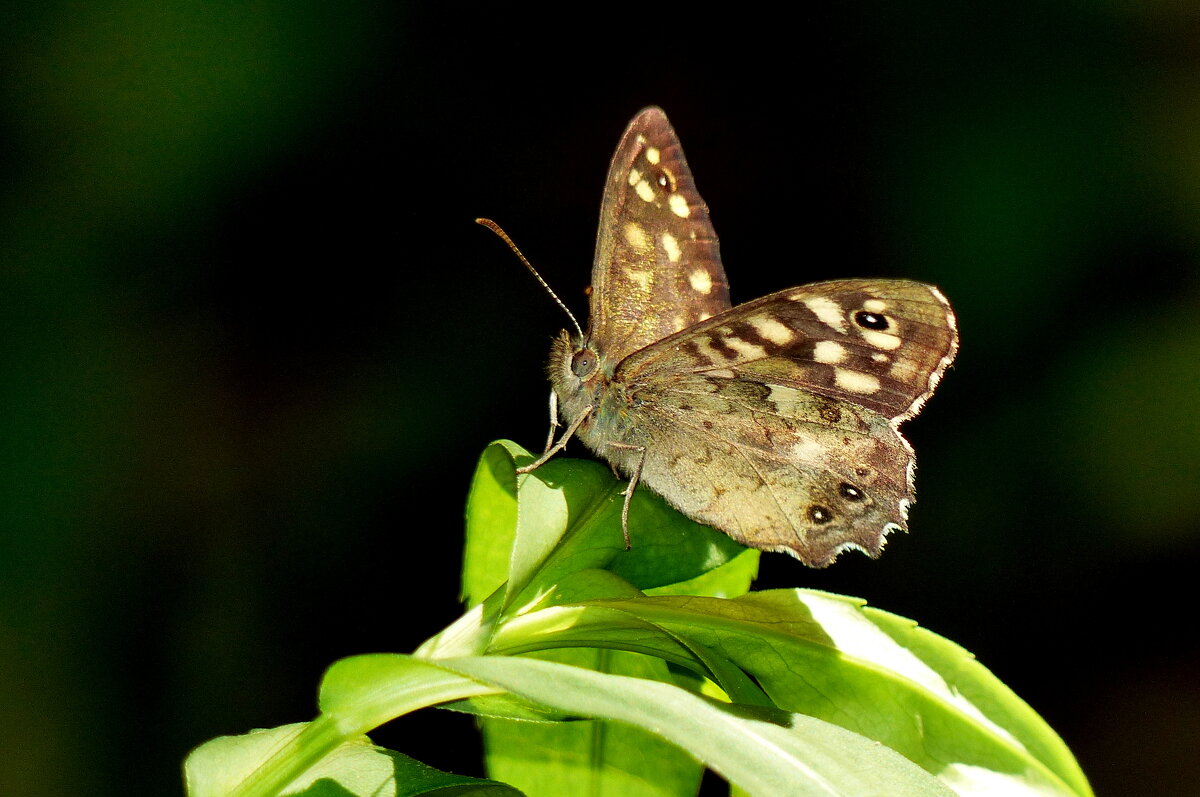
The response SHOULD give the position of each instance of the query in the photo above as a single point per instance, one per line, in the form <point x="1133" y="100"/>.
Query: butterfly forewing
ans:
<point x="658" y="266"/>
<point x="880" y="344"/>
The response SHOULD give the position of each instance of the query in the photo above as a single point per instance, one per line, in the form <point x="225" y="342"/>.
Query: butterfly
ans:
<point x="776" y="421"/>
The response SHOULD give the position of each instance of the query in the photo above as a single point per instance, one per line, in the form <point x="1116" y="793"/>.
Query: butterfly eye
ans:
<point x="871" y="320"/>
<point x="583" y="364"/>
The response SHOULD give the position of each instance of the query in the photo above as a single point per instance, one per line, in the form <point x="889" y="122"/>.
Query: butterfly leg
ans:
<point x="553" y="421"/>
<point x="633" y="483"/>
<point x="562" y="442"/>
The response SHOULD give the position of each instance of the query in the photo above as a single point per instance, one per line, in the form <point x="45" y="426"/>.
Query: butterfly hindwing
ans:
<point x="776" y="467"/>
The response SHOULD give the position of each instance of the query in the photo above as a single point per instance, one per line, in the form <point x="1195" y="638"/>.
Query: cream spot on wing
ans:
<point x="642" y="278"/>
<point x="634" y="176"/>
<point x="855" y="382"/>
<point x="703" y="317"/>
<point x="827" y="311"/>
<point x="701" y="281"/>
<point x="778" y="393"/>
<point x="748" y="351"/>
<point x="875" y="305"/>
<point x="644" y="191"/>
<point x="881" y="340"/>
<point x="879" y="357"/>
<point x="679" y="321"/>
<point x="808" y="450"/>
<point x="652" y="154"/>
<point x="636" y="236"/>
<point x="785" y="399"/>
<point x="902" y="371"/>
<point x="679" y="206"/>
<point x="671" y="247"/>
<point x="710" y="355"/>
<point x="829" y="351"/>
<point x="773" y="330"/>
<point x="723" y="373"/>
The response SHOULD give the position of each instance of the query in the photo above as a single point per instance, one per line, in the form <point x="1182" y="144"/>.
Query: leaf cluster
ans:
<point x="597" y="670"/>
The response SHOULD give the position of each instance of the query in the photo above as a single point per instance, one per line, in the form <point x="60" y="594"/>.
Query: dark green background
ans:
<point x="253" y="342"/>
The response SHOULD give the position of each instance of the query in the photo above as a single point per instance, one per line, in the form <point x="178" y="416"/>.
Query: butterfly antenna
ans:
<point x="494" y="227"/>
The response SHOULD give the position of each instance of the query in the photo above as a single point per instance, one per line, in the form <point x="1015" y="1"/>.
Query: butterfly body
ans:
<point x="775" y="421"/>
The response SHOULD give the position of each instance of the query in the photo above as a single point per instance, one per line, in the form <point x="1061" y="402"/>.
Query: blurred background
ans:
<point x="253" y="341"/>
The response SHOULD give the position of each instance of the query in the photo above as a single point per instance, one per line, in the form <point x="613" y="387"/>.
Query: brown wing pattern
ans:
<point x="778" y="468"/>
<point x="879" y="344"/>
<point x="658" y="266"/>
<point x="777" y="421"/>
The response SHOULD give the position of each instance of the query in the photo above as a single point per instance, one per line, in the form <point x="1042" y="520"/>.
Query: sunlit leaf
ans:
<point x="355" y="768"/>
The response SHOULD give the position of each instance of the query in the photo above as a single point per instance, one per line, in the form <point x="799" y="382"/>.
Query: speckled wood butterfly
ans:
<point x="775" y="421"/>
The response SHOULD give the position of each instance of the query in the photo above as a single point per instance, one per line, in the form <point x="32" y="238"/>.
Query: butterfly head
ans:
<point x="575" y="370"/>
<point x="583" y="380"/>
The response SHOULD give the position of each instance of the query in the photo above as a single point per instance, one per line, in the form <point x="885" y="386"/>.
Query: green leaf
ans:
<point x="566" y="528"/>
<point x="814" y="693"/>
<point x="766" y="752"/>
<point x="668" y="547"/>
<point x="353" y="768"/>
<point x="491" y="521"/>
<point x="725" y="581"/>
<point x="561" y="499"/>
<point x="595" y="625"/>
<point x="357" y="695"/>
<point x="828" y="657"/>
<point x="565" y="517"/>
<point x="591" y="757"/>
<point x="815" y="654"/>
<point x="363" y="692"/>
<point x="536" y="631"/>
